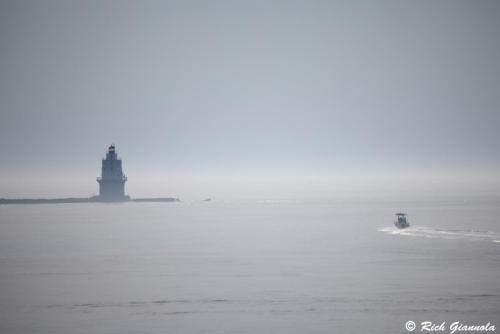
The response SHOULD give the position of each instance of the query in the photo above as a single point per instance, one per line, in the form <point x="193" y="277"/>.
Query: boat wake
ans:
<point x="440" y="233"/>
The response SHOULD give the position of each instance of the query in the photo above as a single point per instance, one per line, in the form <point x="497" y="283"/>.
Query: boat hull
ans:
<point x="401" y="224"/>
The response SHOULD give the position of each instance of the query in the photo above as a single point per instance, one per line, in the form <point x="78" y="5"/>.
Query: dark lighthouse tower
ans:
<point x="112" y="180"/>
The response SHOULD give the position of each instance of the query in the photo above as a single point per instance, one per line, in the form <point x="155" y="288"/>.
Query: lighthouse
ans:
<point x="112" y="180"/>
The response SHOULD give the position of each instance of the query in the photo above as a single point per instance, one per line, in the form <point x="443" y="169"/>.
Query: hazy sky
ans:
<point x="283" y="85"/>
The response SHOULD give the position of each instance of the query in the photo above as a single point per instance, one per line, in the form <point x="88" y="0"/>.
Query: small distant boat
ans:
<point x="207" y="200"/>
<point x="401" y="221"/>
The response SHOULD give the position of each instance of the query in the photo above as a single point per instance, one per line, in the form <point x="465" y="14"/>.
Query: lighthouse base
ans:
<point x="100" y="198"/>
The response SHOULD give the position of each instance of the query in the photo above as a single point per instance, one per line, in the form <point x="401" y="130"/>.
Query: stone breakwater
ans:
<point x="80" y="200"/>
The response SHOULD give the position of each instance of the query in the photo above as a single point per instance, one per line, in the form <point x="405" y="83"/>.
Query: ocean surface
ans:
<point x="249" y="266"/>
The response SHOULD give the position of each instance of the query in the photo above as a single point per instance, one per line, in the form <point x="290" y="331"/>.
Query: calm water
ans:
<point x="255" y="266"/>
